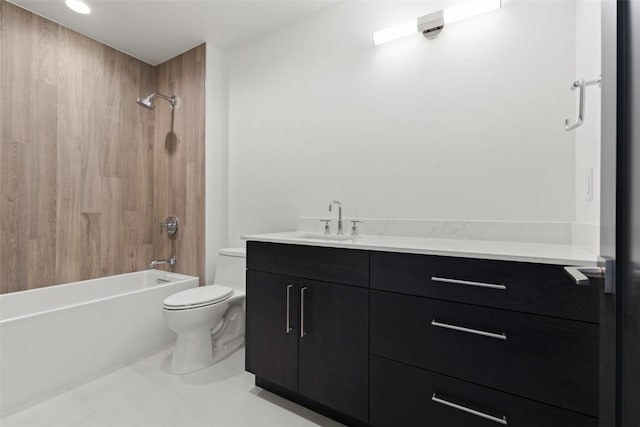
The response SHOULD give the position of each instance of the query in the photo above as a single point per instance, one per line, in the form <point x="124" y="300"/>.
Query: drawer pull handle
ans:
<point x="302" y="331"/>
<point x="468" y="283"/>
<point x="502" y="420"/>
<point x="501" y="336"/>
<point x="288" y="327"/>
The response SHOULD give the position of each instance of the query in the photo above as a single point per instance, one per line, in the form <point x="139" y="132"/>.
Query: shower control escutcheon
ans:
<point x="170" y="225"/>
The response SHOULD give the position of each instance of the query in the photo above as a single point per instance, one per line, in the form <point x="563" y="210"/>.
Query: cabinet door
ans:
<point x="333" y="359"/>
<point x="272" y="328"/>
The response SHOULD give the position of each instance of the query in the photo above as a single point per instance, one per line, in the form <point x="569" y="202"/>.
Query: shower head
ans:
<point x="147" y="101"/>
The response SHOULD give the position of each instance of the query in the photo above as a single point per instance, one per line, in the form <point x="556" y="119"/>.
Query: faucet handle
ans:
<point x="354" y="226"/>
<point x="171" y="225"/>
<point x="327" y="227"/>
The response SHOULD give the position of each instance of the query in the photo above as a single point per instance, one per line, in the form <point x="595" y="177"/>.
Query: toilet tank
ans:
<point x="231" y="269"/>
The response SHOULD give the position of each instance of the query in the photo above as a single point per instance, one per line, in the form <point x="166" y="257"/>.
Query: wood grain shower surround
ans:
<point x="80" y="166"/>
<point x="179" y="159"/>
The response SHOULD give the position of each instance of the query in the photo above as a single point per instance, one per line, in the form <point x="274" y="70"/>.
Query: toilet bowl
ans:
<point x="208" y="320"/>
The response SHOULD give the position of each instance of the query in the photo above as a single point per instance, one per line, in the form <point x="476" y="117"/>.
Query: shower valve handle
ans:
<point x="171" y="225"/>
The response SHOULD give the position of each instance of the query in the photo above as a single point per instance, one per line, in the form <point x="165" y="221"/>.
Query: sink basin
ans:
<point x="327" y="237"/>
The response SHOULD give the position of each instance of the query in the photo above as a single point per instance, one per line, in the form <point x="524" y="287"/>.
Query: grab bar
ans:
<point x="581" y="84"/>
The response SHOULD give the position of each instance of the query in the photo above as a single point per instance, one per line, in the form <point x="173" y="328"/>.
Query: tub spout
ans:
<point x="171" y="261"/>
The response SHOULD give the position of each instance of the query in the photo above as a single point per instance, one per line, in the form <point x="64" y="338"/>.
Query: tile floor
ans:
<point x="144" y="394"/>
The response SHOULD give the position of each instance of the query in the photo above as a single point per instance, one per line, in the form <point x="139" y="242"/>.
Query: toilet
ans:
<point x="209" y="320"/>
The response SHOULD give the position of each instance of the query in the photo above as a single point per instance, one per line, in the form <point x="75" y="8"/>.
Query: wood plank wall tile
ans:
<point x="179" y="159"/>
<point x="16" y="136"/>
<point x="84" y="178"/>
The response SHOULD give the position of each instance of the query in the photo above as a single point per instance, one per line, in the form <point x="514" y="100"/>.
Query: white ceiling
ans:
<point x="157" y="30"/>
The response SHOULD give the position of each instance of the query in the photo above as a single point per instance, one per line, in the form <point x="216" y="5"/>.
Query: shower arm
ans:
<point x="172" y="99"/>
<point x="168" y="98"/>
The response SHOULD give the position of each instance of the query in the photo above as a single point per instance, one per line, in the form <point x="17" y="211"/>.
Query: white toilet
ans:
<point x="209" y="320"/>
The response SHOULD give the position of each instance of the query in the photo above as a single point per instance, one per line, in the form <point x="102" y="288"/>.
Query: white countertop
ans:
<point x="543" y="253"/>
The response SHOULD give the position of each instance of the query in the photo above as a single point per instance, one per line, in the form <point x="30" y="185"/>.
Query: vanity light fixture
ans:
<point x="430" y="25"/>
<point x="78" y="6"/>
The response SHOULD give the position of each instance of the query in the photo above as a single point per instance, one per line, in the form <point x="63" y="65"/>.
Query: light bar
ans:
<point x="453" y="14"/>
<point x="467" y="10"/>
<point x="400" y="31"/>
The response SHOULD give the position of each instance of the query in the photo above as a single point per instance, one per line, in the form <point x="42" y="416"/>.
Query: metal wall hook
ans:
<point x="581" y="84"/>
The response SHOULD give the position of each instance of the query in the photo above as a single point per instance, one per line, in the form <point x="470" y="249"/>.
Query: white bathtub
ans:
<point x="51" y="337"/>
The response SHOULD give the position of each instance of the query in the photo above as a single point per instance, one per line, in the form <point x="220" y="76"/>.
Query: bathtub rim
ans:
<point x="163" y="274"/>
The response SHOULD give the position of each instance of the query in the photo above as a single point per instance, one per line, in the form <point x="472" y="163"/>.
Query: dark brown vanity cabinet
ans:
<point x="537" y="357"/>
<point x="470" y="342"/>
<point x="308" y="336"/>
<point x="394" y="339"/>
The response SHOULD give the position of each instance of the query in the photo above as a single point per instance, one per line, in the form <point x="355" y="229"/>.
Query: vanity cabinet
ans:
<point x="455" y="339"/>
<point x="309" y="336"/>
<point x="396" y="339"/>
<point x="537" y="357"/>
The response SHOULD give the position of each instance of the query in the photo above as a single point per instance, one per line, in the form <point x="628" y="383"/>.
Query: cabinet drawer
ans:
<point x="345" y="266"/>
<point x="534" y="288"/>
<point x="546" y="359"/>
<point x="402" y="395"/>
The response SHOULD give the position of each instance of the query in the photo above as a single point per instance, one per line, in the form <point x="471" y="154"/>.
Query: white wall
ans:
<point x="466" y="126"/>
<point x="216" y="158"/>
<point x="588" y="66"/>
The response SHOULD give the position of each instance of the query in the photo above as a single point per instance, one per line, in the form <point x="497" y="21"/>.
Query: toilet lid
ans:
<point x="235" y="252"/>
<point x="197" y="297"/>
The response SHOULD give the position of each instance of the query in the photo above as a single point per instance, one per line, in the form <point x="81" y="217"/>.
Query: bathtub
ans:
<point x="54" y="336"/>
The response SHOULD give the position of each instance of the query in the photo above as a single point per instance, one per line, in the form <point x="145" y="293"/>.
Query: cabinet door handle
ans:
<point x="468" y="283"/>
<point x="502" y="336"/>
<point x="302" y="331"/>
<point x="288" y="327"/>
<point x="502" y="420"/>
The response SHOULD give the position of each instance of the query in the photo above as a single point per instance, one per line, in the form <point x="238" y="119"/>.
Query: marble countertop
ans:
<point x="544" y="253"/>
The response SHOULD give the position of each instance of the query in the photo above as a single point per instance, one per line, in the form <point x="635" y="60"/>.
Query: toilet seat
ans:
<point x="201" y="296"/>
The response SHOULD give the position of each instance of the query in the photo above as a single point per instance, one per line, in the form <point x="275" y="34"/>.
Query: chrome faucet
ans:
<point x="335" y="202"/>
<point x="171" y="261"/>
